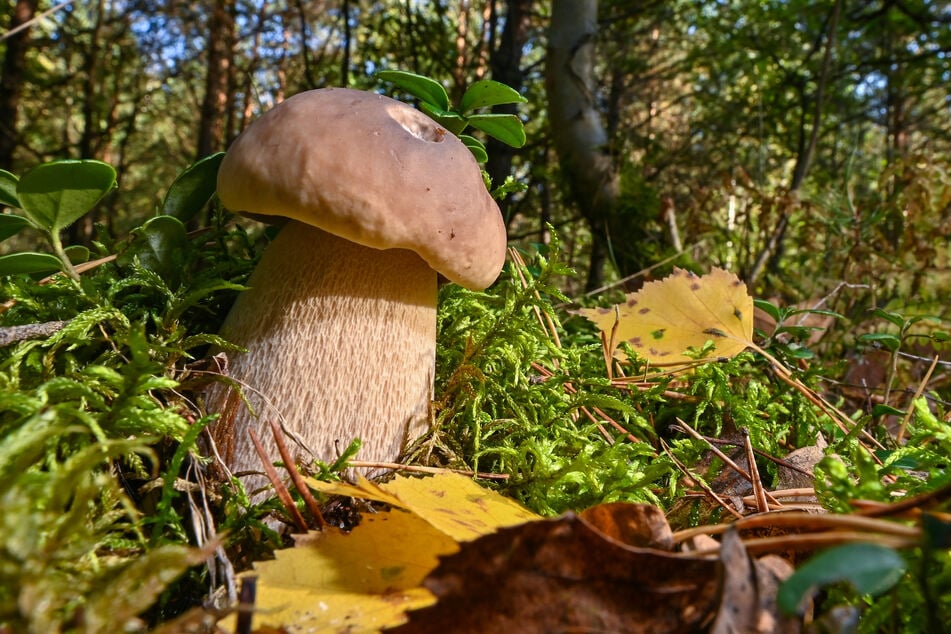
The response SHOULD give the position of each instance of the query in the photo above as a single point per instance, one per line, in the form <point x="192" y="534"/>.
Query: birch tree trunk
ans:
<point x="577" y="129"/>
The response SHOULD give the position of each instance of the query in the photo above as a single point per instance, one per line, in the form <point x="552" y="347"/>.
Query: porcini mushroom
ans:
<point x="339" y="322"/>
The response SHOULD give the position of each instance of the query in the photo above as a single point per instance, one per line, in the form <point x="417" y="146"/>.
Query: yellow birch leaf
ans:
<point x="666" y="318"/>
<point x="366" y="580"/>
<point x="451" y="502"/>
<point x="457" y="505"/>
<point x="358" y="582"/>
<point x="363" y="490"/>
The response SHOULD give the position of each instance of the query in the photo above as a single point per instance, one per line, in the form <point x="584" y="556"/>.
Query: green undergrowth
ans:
<point x="107" y="519"/>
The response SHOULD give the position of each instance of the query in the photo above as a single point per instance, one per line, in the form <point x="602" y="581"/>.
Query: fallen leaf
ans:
<point x="748" y="592"/>
<point x="457" y="505"/>
<point x="358" y="582"/>
<point x="640" y="525"/>
<point x="363" y="489"/>
<point x="453" y="503"/>
<point x="666" y="318"/>
<point x="366" y="580"/>
<point x="562" y="575"/>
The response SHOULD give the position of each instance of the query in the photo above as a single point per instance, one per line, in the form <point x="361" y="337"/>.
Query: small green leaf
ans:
<point x="427" y="90"/>
<point x="486" y="93"/>
<point x="452" y="121"/>
<point x="29" y="262"/>
<point x="768" y="308"/>
<point x="476" y="147"/>
<point x="890" y="341"/>
<point x="77" y="253"/>
<point x="886" y="410"/>
<point x="888" y="315"/>
<point x="159" y="244"/>
<point x="815" y="311"/>
<point x="193" y="188"/>
<point x="10" y="225"/>
<point x="799" y="352"/>
<point x="54" y="195"/>
<point x="870" y="568"/>
<point x="8" y="190"/>
<point x="507" y="128"/>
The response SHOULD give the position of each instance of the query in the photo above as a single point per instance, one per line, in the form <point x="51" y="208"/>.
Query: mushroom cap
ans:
<point x="372" y="170"/>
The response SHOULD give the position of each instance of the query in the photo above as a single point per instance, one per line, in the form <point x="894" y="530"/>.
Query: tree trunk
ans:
<point x="220" y="51"/>
<point x="771" y="255"/>
<point x="577" y="131"/>
<point x="505" y="62"/>
<point x="12" y="79"/>
<point x="219" y="84"/>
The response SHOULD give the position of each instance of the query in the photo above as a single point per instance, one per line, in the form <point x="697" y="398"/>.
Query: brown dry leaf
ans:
<point x="748" y="593"/>
<point x="666" y="318"/>
<point x="642" y="525"/>
<point x="366" y="580"/>
<point x="564" y="575"/>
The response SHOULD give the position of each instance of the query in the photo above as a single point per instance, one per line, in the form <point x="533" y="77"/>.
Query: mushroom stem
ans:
<point x="341" y="343"/>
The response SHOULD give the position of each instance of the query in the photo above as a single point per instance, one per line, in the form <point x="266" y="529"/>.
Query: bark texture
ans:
<point x="577" y="131"/>
<point x="341" y="344"/>
<point x="12" y="78"/>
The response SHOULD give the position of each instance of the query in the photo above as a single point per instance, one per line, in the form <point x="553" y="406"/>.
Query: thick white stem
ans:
<point x="341" y="344"/>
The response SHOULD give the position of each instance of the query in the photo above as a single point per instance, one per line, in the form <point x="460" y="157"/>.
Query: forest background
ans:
<point x="801" y="145"/>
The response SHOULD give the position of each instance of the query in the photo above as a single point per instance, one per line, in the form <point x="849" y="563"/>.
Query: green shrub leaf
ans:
<point x="426" y="89"/>
<point x="193" y="188"/>
<point x="507" y="128"/>
<point x="159" y="245"/>
<point x="870" y="568"/>
<point x="10" y="225"/>
<point x="54" y="195"/>
<point x="486" y="93"/>
<point x="8" y="190"/>
<point x="476" y="147"/>
<point x="29" y="262"/>
<point x="452" y="121"/>
<point x="890" y="341"/>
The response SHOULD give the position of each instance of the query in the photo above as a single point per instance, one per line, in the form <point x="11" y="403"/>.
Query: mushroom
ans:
<point x="339" y="322"/>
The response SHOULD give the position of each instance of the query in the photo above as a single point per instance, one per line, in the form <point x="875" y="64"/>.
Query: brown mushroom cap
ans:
<point x="372" y="170"/>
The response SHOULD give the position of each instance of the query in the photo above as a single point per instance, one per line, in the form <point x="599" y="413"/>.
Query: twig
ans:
<point x="246" y="605"/>
<point x="809" y="541"/>
<point x="842" y="421"/>
<point x="805" y="521"/>
<point x="396" y="466"/>
<point x="917" y="503"/>
<point x="14" y="334"/>
<point x="35" y="19"/>
<point x="758" y="492"/>
<point x="703" y="486"/>
<point x="296" y="478"/>
<point x="729" y="461"/>
<point x="279" y="488"/>
<point x="911" y="406"/>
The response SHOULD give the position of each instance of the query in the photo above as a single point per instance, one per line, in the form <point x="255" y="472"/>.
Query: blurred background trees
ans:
<point x="800" y="144"/>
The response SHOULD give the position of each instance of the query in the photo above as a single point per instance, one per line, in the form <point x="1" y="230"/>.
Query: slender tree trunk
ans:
<point x="506" y="65"/>
<point x="12" y="78"/>
<point x="220" y="51"/>
<point x="772" y="253"/>
<point x="219" y="86"/>
<point x="577" y="131"/>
